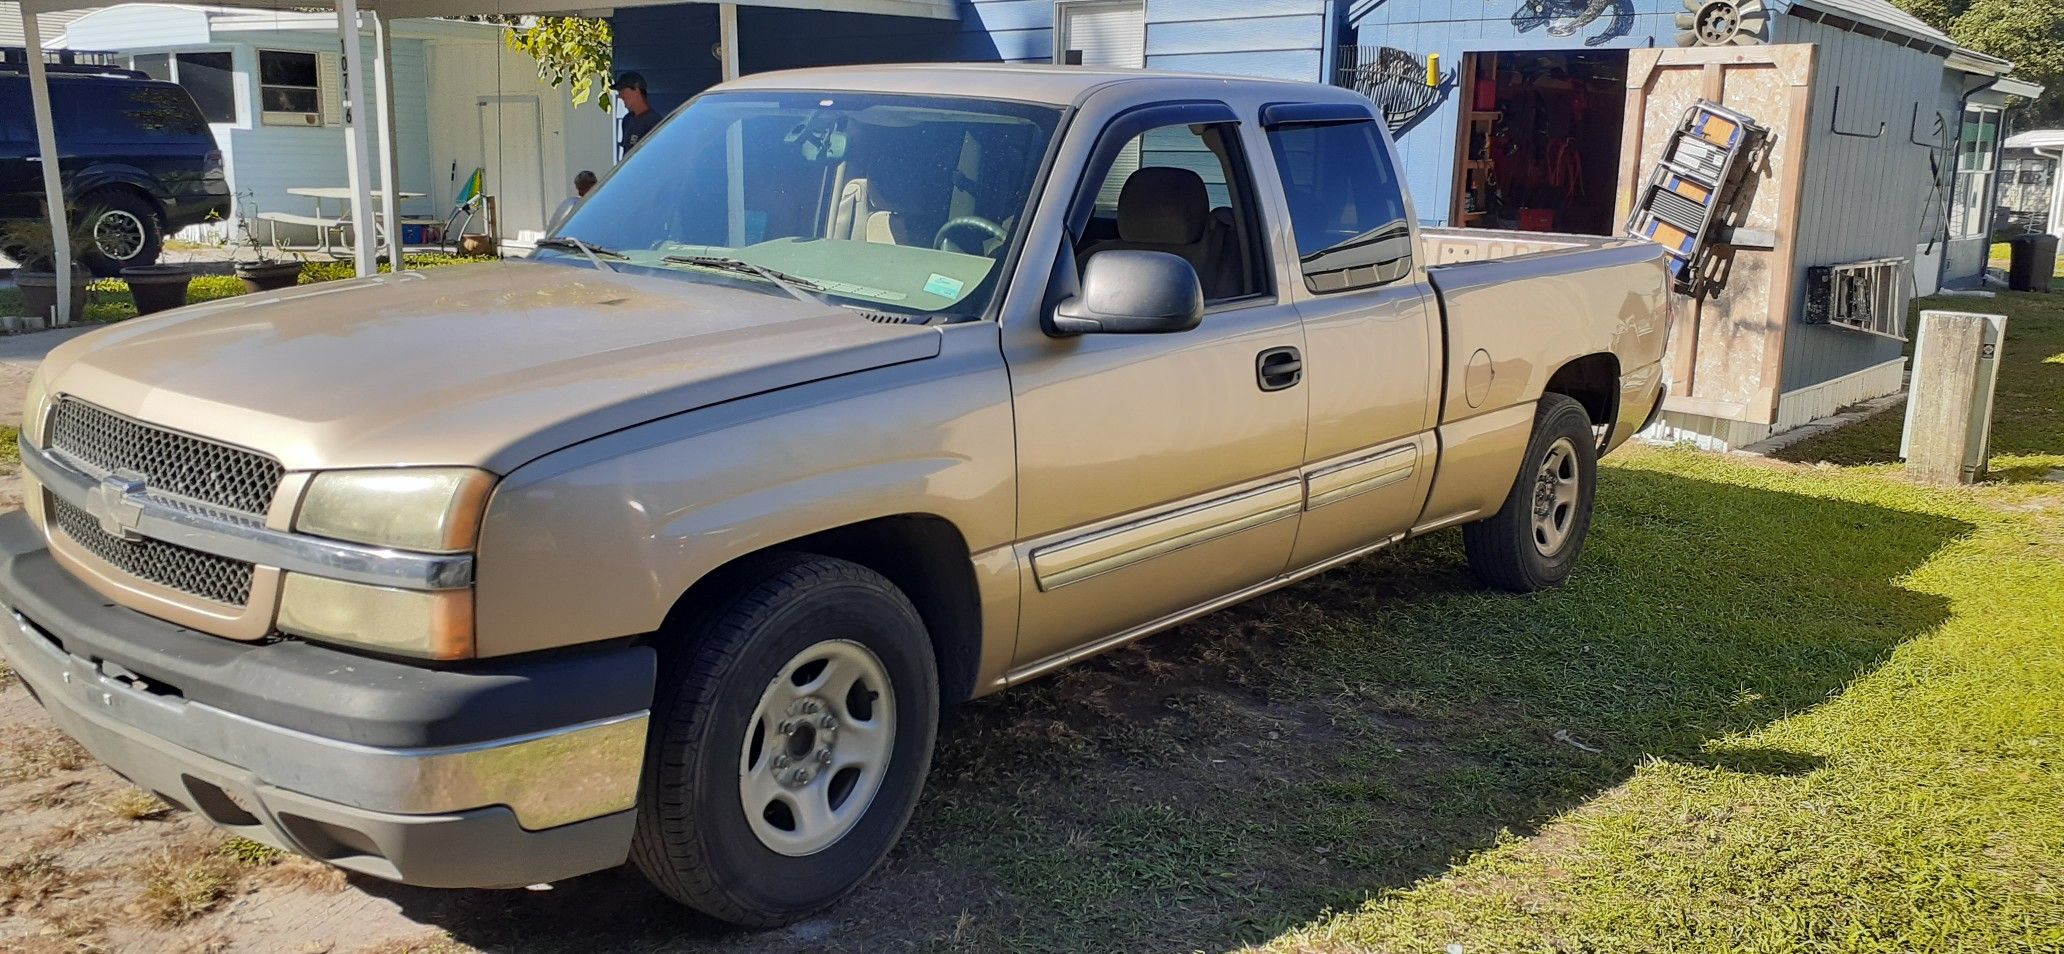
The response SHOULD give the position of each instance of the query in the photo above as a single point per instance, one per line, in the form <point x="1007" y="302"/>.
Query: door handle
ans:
<point x="1278" y="368"/>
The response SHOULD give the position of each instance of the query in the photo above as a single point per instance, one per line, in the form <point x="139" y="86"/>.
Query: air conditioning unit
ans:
<point x="1868" y="296"/>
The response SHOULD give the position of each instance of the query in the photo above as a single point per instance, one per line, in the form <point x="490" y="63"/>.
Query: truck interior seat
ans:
<point x="1166" y="209"/>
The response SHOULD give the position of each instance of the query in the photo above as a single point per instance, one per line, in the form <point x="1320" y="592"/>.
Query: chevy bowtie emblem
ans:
<point x="118" y="502"/>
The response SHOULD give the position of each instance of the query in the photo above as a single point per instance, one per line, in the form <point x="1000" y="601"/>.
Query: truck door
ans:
<point x="1369" y="321"/>
<point x="1156" y="472"/>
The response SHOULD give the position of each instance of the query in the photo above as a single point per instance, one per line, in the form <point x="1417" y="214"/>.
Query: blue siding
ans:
<point x="1279" y="39"/>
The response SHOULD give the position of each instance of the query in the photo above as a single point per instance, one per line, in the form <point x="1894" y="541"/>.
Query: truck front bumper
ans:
<point x="496" y="775"/>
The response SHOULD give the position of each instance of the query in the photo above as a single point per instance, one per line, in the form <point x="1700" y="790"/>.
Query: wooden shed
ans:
<point x="1873" y="184"/>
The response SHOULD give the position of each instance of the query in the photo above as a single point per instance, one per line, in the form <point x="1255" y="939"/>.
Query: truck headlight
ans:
<point x="34" y="409"/>
<point x="434" y="624"/>
<point x="431" y="509"/>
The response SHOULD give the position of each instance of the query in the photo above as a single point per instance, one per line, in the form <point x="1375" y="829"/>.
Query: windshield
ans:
<point x="878" y="201"/>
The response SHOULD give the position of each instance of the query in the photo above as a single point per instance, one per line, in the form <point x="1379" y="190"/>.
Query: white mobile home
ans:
<point x="271" y="86"/>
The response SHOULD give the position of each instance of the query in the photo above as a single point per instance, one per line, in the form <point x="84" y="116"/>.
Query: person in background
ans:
<point x="582" y="182"/>
<point x="639" y="117"/>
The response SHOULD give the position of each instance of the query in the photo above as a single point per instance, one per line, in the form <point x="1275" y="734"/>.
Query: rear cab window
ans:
<point x="112" y="111"/>
<point x="1347" y="208"/>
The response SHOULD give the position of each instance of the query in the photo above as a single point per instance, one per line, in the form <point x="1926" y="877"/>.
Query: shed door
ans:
<point x="1101" y="33"/>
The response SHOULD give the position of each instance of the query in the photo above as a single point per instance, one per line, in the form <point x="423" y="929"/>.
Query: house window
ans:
<point x="211" y="81"/>
<point x="1977" y="151"/>
<point x="291" y="88"/>
<point x="207" y="77"/>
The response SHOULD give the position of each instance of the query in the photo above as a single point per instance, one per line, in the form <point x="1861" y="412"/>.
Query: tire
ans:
<point x="728" y="715"/>
<point x="125" y="230"/>
<point x="1533" y="541"/>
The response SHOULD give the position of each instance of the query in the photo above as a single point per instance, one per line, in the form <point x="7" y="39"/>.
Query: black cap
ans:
<point x="630" y="80"/>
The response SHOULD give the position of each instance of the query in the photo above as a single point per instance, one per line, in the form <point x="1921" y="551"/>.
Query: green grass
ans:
<point x="2028" y="419"/>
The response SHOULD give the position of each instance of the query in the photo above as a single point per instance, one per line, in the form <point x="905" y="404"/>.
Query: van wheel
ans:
<point x="1532" y="542"/>
<point x="124" y="230"/>
<point x="791" y="735"/>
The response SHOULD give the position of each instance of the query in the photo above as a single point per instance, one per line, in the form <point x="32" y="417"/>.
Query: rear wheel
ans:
<point x="1533" y="541"/>
<point x="124" y="230"/>
<point x="791" y="736"/>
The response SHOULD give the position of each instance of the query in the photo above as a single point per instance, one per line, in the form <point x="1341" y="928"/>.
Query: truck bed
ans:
<point x="1442" y="246"/>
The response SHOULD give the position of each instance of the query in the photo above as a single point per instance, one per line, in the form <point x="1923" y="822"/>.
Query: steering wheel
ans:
<point x="974" y="222"/>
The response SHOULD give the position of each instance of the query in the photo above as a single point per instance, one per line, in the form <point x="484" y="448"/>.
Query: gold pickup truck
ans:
<point x="849" y="395"/>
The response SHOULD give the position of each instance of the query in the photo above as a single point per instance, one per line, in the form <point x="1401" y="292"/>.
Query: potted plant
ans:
<point x="261" y="272"/>
<point x="32" y="244"/>
<point x="157" y="287"/>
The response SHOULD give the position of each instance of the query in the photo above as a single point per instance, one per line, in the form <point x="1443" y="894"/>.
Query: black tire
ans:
<point x="693" y="840"/>
<point x="1509" y="550"/>
<point x="125" y="214"/>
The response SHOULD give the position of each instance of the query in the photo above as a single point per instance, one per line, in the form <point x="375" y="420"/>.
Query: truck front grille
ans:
<point x="205" y="575"/>
<point x="169" y="462"/>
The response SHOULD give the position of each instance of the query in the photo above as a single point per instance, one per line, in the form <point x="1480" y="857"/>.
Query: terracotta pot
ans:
<point x="476" y="244"/>
<point x="157" y="287"/>
<point x="39" y="293"/>
<point x="268" y="276"/>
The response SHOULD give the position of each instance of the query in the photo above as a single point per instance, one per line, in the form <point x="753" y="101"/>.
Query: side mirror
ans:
<point x="1133" y="292"/>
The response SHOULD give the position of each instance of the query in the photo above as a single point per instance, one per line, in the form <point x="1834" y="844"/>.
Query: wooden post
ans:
<point x="1945" y="388"/>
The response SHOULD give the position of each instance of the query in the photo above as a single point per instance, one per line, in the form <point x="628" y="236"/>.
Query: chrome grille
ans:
<point x="189" y="571"/>
<point x="168" y="461"/>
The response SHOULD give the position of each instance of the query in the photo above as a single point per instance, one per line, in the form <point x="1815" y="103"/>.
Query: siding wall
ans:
<point x="1863" y="197"/>
<point x="1278" y="39"/>
<point x="668" y="45"/>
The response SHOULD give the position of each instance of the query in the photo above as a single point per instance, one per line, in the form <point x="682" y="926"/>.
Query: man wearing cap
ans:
<point x="630" y="90"/>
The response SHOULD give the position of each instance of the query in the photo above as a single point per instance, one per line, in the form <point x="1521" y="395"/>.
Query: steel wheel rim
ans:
<point x="118" y="235"/>
<point x="817" y="747"/>
<point x="1555" y="496"/>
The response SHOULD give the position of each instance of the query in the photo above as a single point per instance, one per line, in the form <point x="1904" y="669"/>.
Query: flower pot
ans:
<point x="268" y="276"/>
<point x="157" y="287"/>
<point x="476" y="244"/>
<point x="39" y="292"/>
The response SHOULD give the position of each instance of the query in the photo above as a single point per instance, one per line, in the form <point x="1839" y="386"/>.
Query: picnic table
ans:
<point x="335" y="230"/>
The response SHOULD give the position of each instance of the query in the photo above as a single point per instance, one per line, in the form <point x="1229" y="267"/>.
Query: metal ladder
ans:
<point x="1693" y="188"/>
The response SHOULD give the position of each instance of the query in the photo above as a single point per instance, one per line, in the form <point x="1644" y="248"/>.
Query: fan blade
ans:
<point x="1753" y="25"/>
<point x="1744" y="39"/>
<point x="1692" y="6"/>
<point x="1750" y="8"/>
<point x="1687" y="21"/>
<point x="1687" y="38"/>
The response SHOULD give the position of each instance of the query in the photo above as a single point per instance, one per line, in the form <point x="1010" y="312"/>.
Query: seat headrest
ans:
<point x="1163" y="205"/>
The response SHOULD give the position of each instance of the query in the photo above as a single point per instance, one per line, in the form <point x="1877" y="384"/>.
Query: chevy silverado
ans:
<point x="850" y="394"/>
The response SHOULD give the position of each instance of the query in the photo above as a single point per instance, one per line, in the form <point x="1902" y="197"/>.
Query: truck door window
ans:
<point x="1182" y="189"/>
<point x="1346" y="207"/>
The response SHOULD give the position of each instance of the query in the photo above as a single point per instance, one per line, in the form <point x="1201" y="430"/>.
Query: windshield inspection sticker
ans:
<point x="944" y="286"/>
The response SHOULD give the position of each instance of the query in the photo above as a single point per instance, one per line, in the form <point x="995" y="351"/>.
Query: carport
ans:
<point x="365" y="146"/>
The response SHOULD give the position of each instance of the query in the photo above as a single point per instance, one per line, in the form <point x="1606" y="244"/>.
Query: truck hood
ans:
<point x="488" y="366"/>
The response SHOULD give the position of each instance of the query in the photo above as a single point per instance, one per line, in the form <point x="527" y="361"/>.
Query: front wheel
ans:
<point x="792" y="733"/>
<point x="1532" y="542"/>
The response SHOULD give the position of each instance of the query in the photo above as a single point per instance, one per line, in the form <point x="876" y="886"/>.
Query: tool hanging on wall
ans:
<point x="1694" y="189"/>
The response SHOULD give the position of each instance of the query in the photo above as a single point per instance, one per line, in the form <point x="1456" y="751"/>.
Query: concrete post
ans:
<point x="47" y="156"/>
<point x="1944" y="395"/>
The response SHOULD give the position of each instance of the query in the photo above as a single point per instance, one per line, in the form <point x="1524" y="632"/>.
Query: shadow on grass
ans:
<point x="1352" y="734"/>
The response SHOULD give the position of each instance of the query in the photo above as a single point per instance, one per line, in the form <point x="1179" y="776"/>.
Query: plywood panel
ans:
<point x="1727" y="353"/>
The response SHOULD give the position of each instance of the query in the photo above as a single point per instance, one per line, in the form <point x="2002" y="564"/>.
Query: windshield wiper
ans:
<point x="595" y="253"/>
<point x="804" y="290"/>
